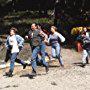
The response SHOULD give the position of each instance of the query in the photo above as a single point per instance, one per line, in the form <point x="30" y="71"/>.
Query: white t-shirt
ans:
<point x="14" y="44"/>
<point x="87" y="34"/>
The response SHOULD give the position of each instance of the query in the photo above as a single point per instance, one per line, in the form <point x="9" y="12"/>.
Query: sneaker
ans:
<point x="24" y="66"/>
<point x="47" y="69"/>
<point x="62" y="66"/>
<point x="33" y="74"/>
<point x="9" y="74"/>
<point x="29" y="64"/>
<point x="83" y="65"/>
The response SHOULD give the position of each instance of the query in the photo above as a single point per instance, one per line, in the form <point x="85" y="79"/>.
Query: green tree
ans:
<point x="4" y="2"/>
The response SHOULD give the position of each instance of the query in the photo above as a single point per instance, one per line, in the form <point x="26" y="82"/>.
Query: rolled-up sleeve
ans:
<point x="20" y="40"/>
<point x="62" y="38"/>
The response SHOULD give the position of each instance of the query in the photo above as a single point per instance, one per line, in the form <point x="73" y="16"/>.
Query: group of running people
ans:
<point x="38" y="41"/>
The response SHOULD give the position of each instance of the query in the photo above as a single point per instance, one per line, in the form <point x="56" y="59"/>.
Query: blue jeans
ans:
<point x="36" y="50"/>
<point x="13" y="59"/>
<point x="40" y="60"/>
<point x="56" y="52"/>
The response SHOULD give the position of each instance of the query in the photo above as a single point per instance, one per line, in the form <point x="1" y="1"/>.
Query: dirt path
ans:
<point x="73" y="77"/>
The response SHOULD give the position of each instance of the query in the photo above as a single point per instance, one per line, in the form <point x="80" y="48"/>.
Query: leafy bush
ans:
<point x="22" y="24"/>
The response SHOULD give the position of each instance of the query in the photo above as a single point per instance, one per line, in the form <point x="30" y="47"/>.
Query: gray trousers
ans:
<point x="84" y="56"/>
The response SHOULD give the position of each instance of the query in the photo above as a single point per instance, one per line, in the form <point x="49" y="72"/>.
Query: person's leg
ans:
<point x="87" y="60"/>
<point x="58" y="51"/>
<point x="33" y="58"/>
<point x="21" y="62"/>
<point x="12" y="61"/>
<point x="88" y="53"/>
<point x="7" y="57"/>
<point x="53" y="52"/>
<point x="42" y="48"/>
<point x="46" y="54"/>
<point x="38" y="61"/>
<point x="85" y="55"/>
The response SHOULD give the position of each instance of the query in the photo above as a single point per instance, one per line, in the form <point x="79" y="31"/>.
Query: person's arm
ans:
<point x="42" y="34"/>
<point x="20" y="40"/>
<point x="47" y="41"/>
<point x="62" y="38"/>
<point x="29" y="35"/>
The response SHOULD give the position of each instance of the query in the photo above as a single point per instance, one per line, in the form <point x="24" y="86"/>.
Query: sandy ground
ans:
<point x="72" y="77"/>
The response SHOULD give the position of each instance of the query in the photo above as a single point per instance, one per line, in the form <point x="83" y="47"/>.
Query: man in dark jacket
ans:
<point x="37" y="43"/>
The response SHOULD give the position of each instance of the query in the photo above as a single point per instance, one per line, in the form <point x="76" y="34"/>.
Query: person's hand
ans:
<point x="26" y="37"/>
<point x="45" y="41"/>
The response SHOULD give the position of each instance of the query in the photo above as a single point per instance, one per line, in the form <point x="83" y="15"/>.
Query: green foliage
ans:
<point x="4" y="2"/>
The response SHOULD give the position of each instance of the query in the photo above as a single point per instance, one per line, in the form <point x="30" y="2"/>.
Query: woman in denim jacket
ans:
<point x="14" y="44"/>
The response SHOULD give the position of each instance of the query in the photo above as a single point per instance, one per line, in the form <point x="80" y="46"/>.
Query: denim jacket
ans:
<point x="19" y="39"/>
